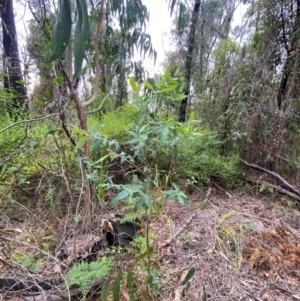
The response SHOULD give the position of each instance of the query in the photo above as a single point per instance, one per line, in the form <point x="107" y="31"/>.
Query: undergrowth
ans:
<point x="200" y="159"/>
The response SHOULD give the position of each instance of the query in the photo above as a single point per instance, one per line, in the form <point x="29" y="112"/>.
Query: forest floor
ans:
<point x="243" y="245"/>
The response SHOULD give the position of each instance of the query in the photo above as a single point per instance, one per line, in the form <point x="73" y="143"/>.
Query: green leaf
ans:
<point x="172" y="5"/>
<point x="164" y="136"/>
<point x="149" y="86"/>
<point x="169" y="89"/>
<point x="81" y="35"/>
<point x="177" y="71"/>
<point x="92" y="177"/>
<point x="48" y="65"/>
<point x="130" y="284"/>
<point x="116" y="287"/>
<point x="181" y="18"/>
<point x="59" y="80"/>
<point x="47" y="93"/>
<point x="101" y="159"/>
<point x="133" y="84"/>
<point x="104" y="291"/>
<point x="81" y="142"/>
<point x="189" y="276"/>
<point x="20" y="82"/>
<point x="120" y="196"/>
<point x="96" y="147"/>
<point x="62" y="31"/>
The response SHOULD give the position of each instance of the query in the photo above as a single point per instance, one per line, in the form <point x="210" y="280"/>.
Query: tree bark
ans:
<point x="188" y="64"/>
<point x="12" y="66"/>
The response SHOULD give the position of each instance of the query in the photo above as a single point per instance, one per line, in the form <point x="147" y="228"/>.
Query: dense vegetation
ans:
<point x="97" y="134"/>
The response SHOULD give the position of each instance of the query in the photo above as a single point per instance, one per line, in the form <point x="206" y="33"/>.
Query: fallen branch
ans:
<point x="178" y="232"/>
<point x="274" y="174"/>
<point x="280" y="189"/>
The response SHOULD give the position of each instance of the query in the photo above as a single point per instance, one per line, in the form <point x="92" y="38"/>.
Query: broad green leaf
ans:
<point x="169" y="89"/>
<point x="96" y="147"/>
<point x="144" y="136"/>
<point x="47" y="93"/>
<point x="120" y="196"/>
<point x="177" y="71"/>
<point x="78" y="131"/>
<point x="149" y="86"/>
<point x="59" y="80"/>
<point x="171" y="80"/>
<point x="133" y="84"/>
<point x="62" y="31"/>
<point x="81" y="35"/>
<point x="170" y="194"/>
<point x="164" y="136"/>
<point x="189" y="276"/>
<point x="81" y="142"/>
<point x="182" y="197"/>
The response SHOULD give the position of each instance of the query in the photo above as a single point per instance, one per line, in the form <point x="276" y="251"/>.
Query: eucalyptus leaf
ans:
<point x="81" y="35"/>
<point x="189" y="276"/>
<point x="62" y="31"/>
<point x="120" y="196"/>
<point x="133" y="84"/>
<point x="81" y="142"/>
<point x="149" y="86"/>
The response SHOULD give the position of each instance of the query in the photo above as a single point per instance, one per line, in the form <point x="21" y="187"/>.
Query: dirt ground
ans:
<point x="243" y="246"/>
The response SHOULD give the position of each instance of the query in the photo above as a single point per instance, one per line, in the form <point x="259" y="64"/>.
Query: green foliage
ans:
<point x="200" y="158"/>
<point x="81" y="35"/>
<point x="165" y="92"/>
<point x="115" y="124"/>
<point x="29" y="262"/>
<point x="61" y="31"/>
<point x="84" y="274"/>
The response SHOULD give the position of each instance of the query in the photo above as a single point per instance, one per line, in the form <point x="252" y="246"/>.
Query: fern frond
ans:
<point x="130" y="217"/>
<point x="84" y="274"/>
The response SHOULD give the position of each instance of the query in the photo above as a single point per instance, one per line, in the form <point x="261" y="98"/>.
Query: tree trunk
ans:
<point x="188" y="64"/>
<point x="12" y="66"/>
<point x="291" y="55"/>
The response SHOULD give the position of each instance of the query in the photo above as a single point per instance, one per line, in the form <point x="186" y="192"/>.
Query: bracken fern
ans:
<point x="84" y="274"/>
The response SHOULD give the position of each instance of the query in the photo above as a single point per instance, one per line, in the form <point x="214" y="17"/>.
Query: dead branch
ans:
<point x="280" y="189"/>
<point x="26" y="121"/>
<point x="178" y="232"/>
<point x="296" y="193"/>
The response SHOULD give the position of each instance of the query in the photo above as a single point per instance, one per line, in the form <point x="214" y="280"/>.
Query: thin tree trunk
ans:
<point x="188" y="64"/>
<point x="12" y="65"/>
<point x="291" y="54"/>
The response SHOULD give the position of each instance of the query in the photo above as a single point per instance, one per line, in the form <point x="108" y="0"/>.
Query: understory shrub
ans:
<point x="115" y="124"/>
<point x="200" y="159"/>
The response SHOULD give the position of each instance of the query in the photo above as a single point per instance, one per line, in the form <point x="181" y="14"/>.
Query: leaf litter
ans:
<point x="242" y="246"/>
